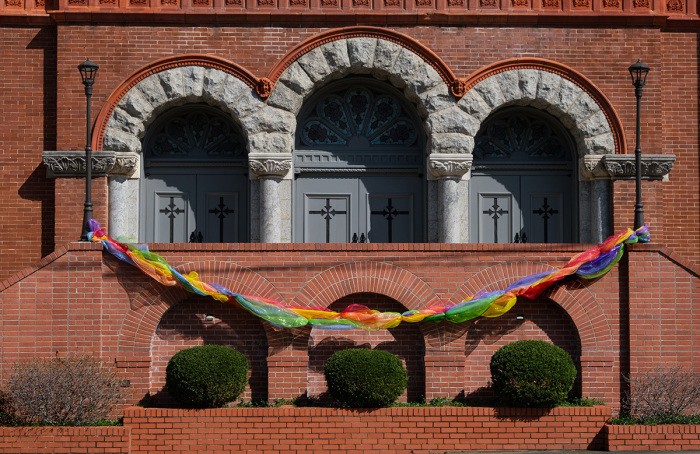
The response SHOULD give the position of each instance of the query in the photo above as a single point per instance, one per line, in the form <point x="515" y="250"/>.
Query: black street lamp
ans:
<point x="639" y="72"/>
<point x="88" y="71"/>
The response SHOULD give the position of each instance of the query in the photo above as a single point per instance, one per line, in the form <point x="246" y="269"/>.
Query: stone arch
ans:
<point x="575" y="299"/>
<point x="147" y="309"/>
<point x="550" y="86"/>
<point x="179" y="80"/>
<point x="386" y="55"/>
<point x="358" y="277"/>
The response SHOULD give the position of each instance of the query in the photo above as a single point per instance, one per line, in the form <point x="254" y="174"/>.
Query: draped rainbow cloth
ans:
<point x="590" y="264"/>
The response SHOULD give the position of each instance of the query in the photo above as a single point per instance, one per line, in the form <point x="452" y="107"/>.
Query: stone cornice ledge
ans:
<point x="622" y="166"/>
<point x="449" y="165"/>
<point x="269" y="165"/>
<point x="64" y="164"/>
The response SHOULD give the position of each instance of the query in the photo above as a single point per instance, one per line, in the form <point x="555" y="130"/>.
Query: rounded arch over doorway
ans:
<point x="573" y="101"/>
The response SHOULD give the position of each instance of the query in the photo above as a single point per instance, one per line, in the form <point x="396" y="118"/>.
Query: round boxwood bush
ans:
<point x="207" y="376"/>
<point x="359" y="377"/>
<point x="531" y="373"/>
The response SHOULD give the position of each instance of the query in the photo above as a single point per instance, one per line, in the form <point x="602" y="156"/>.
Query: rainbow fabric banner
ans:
<point x="590" y="264"/>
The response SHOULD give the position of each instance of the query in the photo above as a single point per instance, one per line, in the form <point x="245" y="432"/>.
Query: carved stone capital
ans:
<point x="654" y="167"/>
<point x="452" y="166"/>
<point x="269" y="165"/>
<point x="593" y="167"/>
<point x="126" y="165"/>
<point x="72" y="163"/>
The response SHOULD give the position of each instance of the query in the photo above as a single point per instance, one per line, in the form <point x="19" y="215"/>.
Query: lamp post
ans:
<point x="88" y="71"/>
<point x="639" y="72"/>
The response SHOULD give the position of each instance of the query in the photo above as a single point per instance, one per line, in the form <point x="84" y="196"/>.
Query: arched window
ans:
<point x="359" y="162"/>
<point x="522" y="187"/>
<point x="195" y="188"/>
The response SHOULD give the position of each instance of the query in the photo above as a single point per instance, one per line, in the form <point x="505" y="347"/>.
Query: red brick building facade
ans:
<point x="453" y="67"/>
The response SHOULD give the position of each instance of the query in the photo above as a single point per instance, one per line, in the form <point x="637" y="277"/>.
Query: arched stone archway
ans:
<point x="178" y="81"/>
<point x="580" y="107"/>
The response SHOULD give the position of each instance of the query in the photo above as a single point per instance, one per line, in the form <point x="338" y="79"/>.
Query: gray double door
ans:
<point x="529" y="208"/>
<point x="196" y="207"/>
<point x="376" y="209"/>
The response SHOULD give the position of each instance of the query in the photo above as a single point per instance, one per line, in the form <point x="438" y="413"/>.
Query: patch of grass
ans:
<point x="581" y="402"/>
<point x="629" y="421"/>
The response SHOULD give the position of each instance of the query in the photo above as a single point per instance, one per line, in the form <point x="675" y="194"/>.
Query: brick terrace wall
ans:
<point x="81" y="300"/>
<point x="387" y="430"/>
<point x="76" y="440"/>
<point x="42" y="106"/>
<point x="670" y="437"/>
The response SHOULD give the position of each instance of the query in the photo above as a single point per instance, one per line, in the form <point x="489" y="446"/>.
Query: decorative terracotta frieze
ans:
<point x="675" y="6"/>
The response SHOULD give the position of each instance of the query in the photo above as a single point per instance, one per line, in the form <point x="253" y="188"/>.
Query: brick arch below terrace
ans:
<point x="567" y="315"/>
<point x="201" y="320"/>
<point x="405" y="341"/>
<point x="348" y="278"/>
<point x="148" y="308"/>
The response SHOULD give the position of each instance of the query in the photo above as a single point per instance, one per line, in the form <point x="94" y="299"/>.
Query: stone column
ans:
<point x="448" y="170"/>
<point x="270" y="169"/>
<point x="124" y="196"/>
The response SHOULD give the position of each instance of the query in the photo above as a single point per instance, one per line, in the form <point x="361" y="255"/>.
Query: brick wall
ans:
<point x="43" y="106"/>
<point x="81" y="300"/>
<point x="670" y="437"/>
<point x="78" y="440"/>
<point x="388" y="430"/>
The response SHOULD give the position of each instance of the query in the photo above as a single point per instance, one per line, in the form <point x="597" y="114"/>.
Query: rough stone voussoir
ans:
<point x="451" y="143"/>
<point x="406" y="65"/>
<point x="361" y="54"/>
<point x="437" y="99"/>
<point x="122" y="121"/>
<point x="548" y="86"/>
<point x="247" y="104"/>
<point x="172" y="82"/>
<point x="285" y="98"/>
<point x="296" y="78"/>
<point x="582" y="108"/>
<point x="424" y="80"/>
<point x="490" y="92"/>
<point x="135" y="105"/>
<point x="193" y="78"/>
<point x="152" y="91"/>
<point x="115" y="140"/>
<point x="233" y="89"/>
<point x="336" y="53"/>
<point x="602" y="144"/>
<point x="473" y="104"/>
<point x="509" y="81"/>
<point x="213" y="83"/>
<point x="568" y="94"/>
<point x="315" y="65"/>
<point x="270" y="143"/>
<point x="453" y="120"/>
<point x="385" y="54"/>
<point x="269" y="120"/>
<point x="527" y="82"/>
<point x="594" y="125"/>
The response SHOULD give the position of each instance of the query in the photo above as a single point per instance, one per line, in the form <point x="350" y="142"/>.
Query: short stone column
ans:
<point x="448" y="170"/>
<point x="270" y="169"/>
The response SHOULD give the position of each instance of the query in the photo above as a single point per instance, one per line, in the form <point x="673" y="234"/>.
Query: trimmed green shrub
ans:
<point x="207" y="376"/>
<point x="359" y="377"/>
<point x="532" y="373"/>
